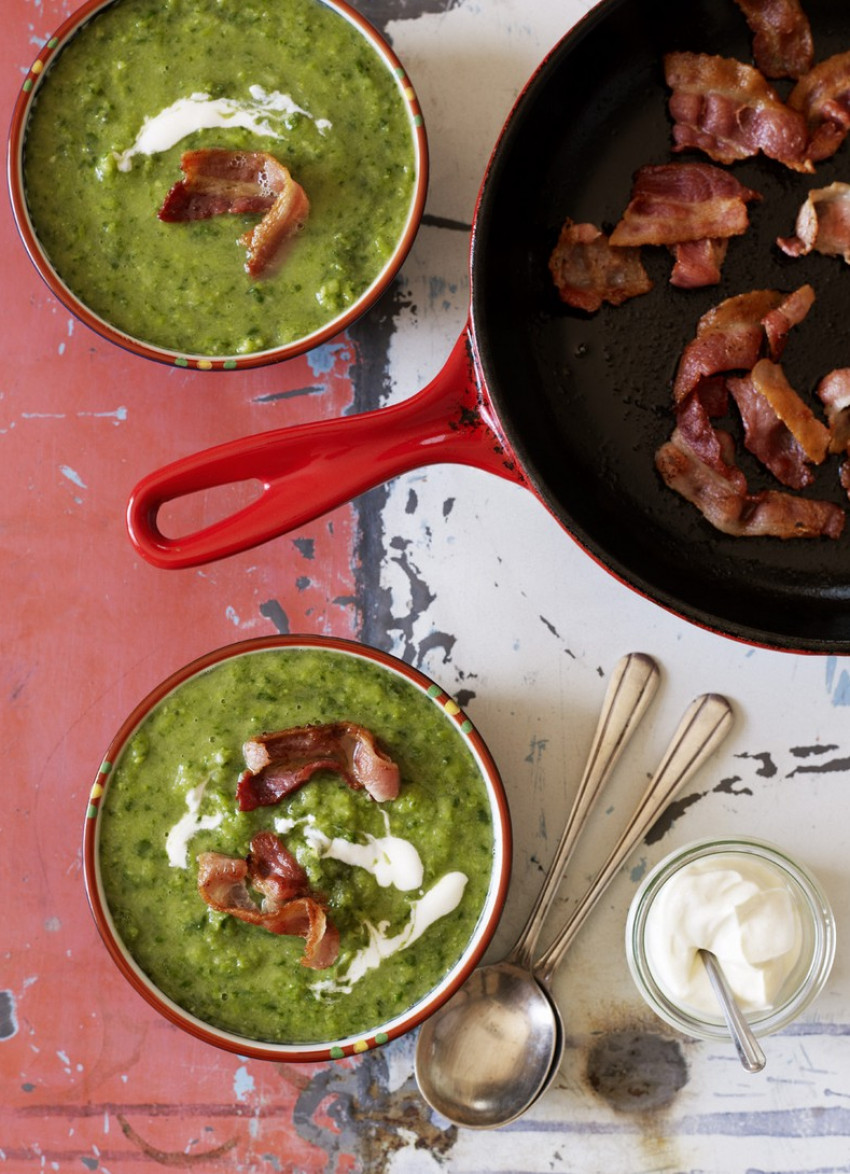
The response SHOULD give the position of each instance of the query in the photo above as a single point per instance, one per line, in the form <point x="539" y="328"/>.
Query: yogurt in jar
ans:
<point x="739" y="907"/>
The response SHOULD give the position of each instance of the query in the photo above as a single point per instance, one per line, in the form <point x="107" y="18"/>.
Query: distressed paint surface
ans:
<point x="457" y="572"/>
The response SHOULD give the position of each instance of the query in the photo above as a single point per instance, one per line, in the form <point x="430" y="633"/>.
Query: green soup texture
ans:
<point x="345" y="135"/>
<point x="240" y="977"/>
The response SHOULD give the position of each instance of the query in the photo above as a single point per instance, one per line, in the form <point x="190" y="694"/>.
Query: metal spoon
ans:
<point x="496" y="1046"/>
<point x="746" y="1045"/>
<point x="631" y="688"/>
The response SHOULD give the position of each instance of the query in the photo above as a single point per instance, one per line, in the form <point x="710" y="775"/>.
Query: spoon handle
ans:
<point x="630" y="690"/>
<point x="706" y="723"/>
<point x="746" y="1045"/>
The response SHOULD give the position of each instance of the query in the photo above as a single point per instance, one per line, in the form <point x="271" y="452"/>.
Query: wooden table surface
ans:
<point x="453" y="570"/>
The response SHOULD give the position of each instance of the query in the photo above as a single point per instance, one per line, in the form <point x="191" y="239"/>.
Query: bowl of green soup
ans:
<point x="297" y="848"/>
<point x="217" y="184"/>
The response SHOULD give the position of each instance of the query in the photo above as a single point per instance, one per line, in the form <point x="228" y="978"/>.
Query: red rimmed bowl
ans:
<point x="165" y="794"/>
<point x="308" y="81"/>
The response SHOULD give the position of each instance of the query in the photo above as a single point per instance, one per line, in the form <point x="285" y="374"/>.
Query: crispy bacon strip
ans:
<point x="675" y="202"/>
<point x="698" y="263"/>
<point x="823" y="224"/>
<point x="822" y="97"/>
<point x="735" y="334"/>
<point x="778" y="321"/>
<point x="767" y="438"/>
<point x="742" y="514"/>
<point x="217" y="181"/>
<point x="288" y="906"/>
<point x="587" y="270"/>
<point x="690" y="207"/>
<point x="834" y="392"/>
<point x="286" y="217"/>
<point x="729" y="111"/>
<point x="782" y="36"/>
<point x="770" y="382"/>
<point x="708" y="444"/>
<point x="279" y="763"/>
<point x="780" y="429"/>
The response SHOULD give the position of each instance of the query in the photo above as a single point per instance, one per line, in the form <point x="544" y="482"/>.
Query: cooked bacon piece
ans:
<point x="823" y="224"/>
<point x="692" y="207"/>
<point x="767" y="438"/>
<point x="280" y="763"/>
<point x="729" y="111"/>
<point x="735" y="334"/>
<point x="708" y="444"/>
<point x="770" y="382"/>
<point x="822" y="96"/>
<point x="834" y="392"/>
<point x="217" y="181"/>
<point x="779" y="428"/>
<point x="742" y="514"/>
<point x="288" y="906"/>
<point x="790" y="312"/>
<point x="675" y="202"/>
<point x="587" y="270"/>
<point x="720" y="346"/>
<point x="713" y="395"/>
<point x="698" y="263"/>
<point x="782" y="36"/>
<point x="286" y="217"/>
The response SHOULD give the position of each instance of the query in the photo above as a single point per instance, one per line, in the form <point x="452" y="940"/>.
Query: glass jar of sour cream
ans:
<point x="763" y="914"/>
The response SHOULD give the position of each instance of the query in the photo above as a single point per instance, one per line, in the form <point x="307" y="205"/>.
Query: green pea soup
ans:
<point x="296" y="79"/>
<point x="240" y="977"/>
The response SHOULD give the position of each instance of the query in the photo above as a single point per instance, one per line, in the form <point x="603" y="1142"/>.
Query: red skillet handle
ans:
<point x="309" y="469"/>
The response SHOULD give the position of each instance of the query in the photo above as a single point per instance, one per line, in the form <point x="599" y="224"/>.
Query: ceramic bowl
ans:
<point x="257" y="340"/>
<point x="127" y="776"/>
<point x="806" y="978"/>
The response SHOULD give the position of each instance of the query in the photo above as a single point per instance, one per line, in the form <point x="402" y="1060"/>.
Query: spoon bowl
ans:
<point x="501" y="1012"/>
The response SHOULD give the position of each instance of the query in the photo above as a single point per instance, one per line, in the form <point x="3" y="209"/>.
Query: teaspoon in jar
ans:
<point x="746" y="1045"/>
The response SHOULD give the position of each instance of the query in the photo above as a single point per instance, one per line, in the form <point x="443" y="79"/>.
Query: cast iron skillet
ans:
<point x="572" y="405"/>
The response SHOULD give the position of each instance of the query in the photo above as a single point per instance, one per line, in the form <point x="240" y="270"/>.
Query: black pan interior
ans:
<point x="585" y="400"/>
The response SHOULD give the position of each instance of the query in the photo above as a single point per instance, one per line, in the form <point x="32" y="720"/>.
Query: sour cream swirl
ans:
<point x="266" y="114"/>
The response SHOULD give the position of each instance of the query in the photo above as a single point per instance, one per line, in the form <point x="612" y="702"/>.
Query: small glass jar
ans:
<point x="808" y="974"/>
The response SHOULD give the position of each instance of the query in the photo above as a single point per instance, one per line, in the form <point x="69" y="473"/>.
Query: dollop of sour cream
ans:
<point x="390" y="859"/>
<point x="265" y="114"/>
<point x="179" y="835"/>
<point x="739" y="908"/>
<point x="441" y="899"/>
